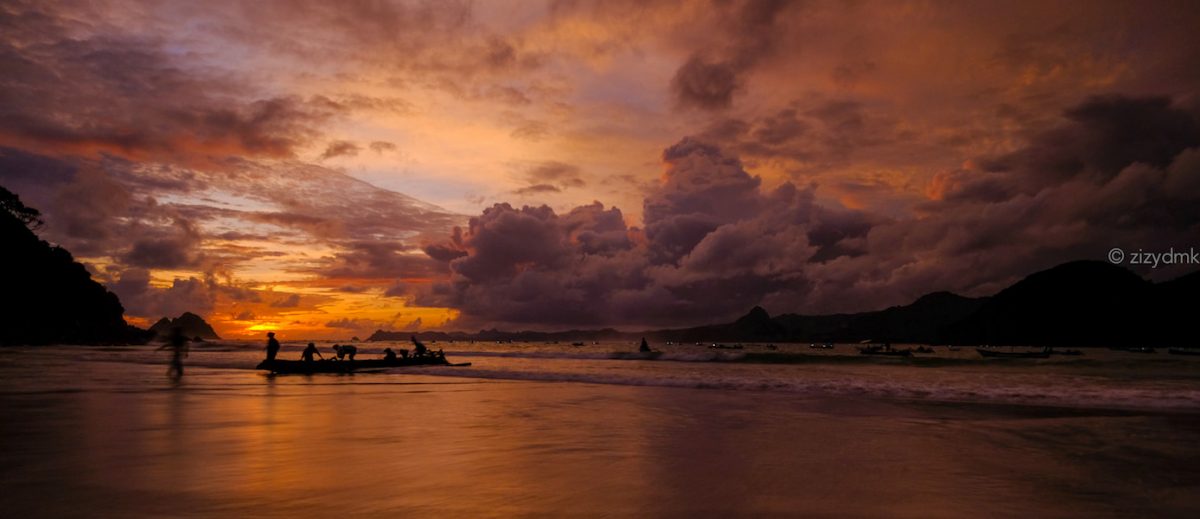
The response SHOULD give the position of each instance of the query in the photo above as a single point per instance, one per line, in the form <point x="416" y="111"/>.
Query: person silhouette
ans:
<point x="307" y="354"/>
<point x="645" y="347"/>
<point x="344" y="351"/>
<point x="389" y="355"/>
<point x="272" y="346"/>
<point x="419" y="349"/>
<point x="178" y="344"/>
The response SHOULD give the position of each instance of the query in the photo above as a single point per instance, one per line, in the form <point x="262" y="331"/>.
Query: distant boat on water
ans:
<point x="1043" y="354"/>
<point x="1184" y="351"/>
<point x="884" y="350"/>
<point x="1141" y="349"/>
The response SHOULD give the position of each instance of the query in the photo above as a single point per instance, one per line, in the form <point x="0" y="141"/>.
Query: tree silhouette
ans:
<point x="11" y="203"/>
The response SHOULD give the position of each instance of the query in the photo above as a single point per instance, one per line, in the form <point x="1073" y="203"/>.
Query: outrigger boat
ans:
<point x="351" y="366"/>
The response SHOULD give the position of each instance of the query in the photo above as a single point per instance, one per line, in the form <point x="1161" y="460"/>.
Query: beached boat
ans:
<point x="1043" y="354"/>
<point x="345" y="366"/>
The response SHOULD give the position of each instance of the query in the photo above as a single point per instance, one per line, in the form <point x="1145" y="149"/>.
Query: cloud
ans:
<point x="551" y="177"/>
<point x="352" y="324"/>
<point x="382" y="146"/>
<point x="716" y="242"/>
<point x="702" y="84"/>
<point x="141" y="298"/>
<point x="343" y="149"/>
<point x="536" y="189"/>
<point x="291" y="301"/>
<point x="711" y="75"/>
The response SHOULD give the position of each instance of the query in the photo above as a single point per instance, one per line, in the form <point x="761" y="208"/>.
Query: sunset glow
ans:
<point x="302" y="166"/>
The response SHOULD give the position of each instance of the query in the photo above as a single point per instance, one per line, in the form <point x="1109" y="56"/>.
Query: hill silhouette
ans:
<point x="192" y="326"/>
<point x="1081" y="303"/>
<point x="49" y="297"/>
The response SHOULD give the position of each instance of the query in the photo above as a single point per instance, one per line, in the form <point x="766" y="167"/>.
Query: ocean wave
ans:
<point x="1074" y="395"/>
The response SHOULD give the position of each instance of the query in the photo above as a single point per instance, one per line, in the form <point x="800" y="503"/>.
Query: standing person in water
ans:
<point x="179" y="349"/>
<point x="272" y="346"/>
<point x="307" y="354"/>
<point x="645" y="347"/>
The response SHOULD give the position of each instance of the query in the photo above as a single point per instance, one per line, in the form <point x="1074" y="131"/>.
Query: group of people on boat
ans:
<point x="345" y="352"/>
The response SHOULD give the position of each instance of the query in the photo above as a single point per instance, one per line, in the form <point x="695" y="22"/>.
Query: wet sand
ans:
<point x="118" y="439"/>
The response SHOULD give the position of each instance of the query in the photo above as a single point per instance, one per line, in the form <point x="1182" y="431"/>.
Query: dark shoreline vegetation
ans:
<point x="49" y="297"/>
<point x="1083" y="303"/>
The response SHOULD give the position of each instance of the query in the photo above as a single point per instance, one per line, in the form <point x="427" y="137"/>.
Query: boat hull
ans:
<point x="337" y="366"/>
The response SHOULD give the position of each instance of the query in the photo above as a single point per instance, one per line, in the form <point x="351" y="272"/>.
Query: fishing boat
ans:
<point x="351" y="366"/>
<point x="1043" y="354"/>
<point x="1183" y="351"/>
<point x="884" y="350"/>
<point x="725" y="347"/>
<point x="1053" y="351"/>
<point x="1141" y="349"/>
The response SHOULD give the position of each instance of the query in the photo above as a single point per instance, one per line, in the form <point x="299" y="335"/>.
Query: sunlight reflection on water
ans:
<point x="119" y="437"/>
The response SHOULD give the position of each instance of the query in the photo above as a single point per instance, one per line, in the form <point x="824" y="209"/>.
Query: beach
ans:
<point x="555" y="431"/>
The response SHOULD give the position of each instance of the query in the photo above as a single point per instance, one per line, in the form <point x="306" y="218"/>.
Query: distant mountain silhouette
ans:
<point x="50" y="298"/>
<point x="923" y="321"/>
<point x="1082" y="303"/>
<point x="192" y="326"/>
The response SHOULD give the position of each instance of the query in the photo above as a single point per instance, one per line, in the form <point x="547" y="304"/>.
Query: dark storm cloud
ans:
<point x="702" y="84"/>
<point x="1103" y="136"/>
<point x="715" y="243"/>
<point x="710" y="76"/>
<point x="817" y="134"/>
<point x="125" y="96"/>
<point x="190" y="294"/>
<point x="1116" y="172"/>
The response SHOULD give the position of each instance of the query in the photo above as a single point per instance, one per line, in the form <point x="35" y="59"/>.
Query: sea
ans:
<point x="556" y="430"/>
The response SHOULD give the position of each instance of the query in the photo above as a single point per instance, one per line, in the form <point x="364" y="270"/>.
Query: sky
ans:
<point x="330" y="168"/>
